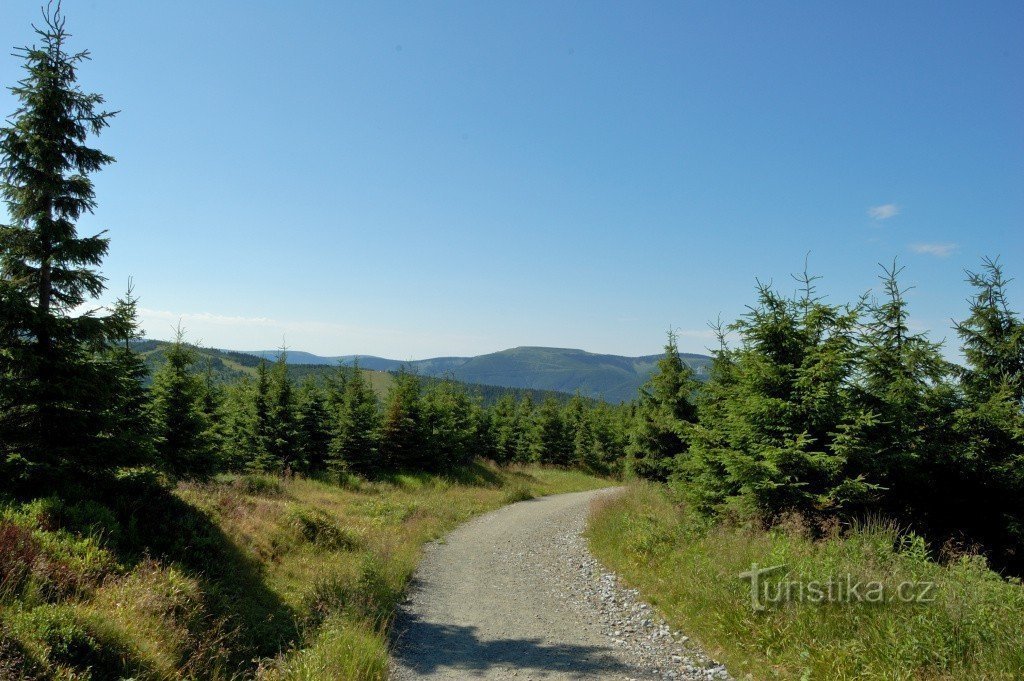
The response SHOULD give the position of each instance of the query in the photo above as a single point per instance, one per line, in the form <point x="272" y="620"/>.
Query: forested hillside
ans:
<point x="226" y="366"/>
<point x="612" y="378"/>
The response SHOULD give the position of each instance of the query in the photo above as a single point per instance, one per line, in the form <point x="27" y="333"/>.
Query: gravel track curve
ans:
<point x="515" y="594"/>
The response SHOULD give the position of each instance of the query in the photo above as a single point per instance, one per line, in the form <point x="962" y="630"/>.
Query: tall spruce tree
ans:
<point x="281" y="417"/>
<point x="992" y="338"/>
<point x="259" y="431"/>
<point x="580" y="431"/>
<point x="553" y="443"/>
<point x="449" y="426"/>
<point x="768" y="418"/>
<point x="664" y="413"/>
<point x="50" y="421"/>
<point x="505" y="429"/>
<point x="904" y="403"/>
<point x="402" y="441"/>
<point x="525" y="429"/>
<point x="313" y="436"/>
<point x="130" y="425"/>
<point x="183" y="443"/>
<point x="988" y="477"/>
<point x="354" y="446"/>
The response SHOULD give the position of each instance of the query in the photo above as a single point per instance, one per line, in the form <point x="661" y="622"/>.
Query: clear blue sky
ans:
<point x="427" y="178"/>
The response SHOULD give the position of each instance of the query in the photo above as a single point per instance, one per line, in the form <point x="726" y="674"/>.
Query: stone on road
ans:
<point x="515" y="594"/>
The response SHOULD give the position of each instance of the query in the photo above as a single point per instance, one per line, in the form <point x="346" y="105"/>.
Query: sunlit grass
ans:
<point x="313" y="573"/>
<point x="973" y="629"/>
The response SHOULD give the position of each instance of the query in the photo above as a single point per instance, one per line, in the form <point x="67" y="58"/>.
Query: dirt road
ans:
<point x="516" y="594"/>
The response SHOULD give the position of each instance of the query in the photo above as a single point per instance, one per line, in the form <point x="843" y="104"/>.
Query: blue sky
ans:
<point x="421" y="179"/>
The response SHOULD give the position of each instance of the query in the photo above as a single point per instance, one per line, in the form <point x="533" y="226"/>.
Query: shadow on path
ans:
<point x="429" y="648"/>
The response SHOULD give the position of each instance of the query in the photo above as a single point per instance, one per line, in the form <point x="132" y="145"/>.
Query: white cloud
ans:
<point x="943" y="250"/>
<point x="884" y="212"/>
<point x="205" y="318"/>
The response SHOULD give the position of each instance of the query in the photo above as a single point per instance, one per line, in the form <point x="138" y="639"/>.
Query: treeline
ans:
<point x="219" y="363"/>
<point x="334" y="424"/>
<point x="842" y="411"/>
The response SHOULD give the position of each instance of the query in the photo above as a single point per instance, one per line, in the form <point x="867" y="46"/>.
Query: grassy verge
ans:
<point x="969" y="625"/>
<point x="245" y="577"/>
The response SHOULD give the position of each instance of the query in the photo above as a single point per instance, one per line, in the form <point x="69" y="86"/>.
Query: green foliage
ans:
<point x="184" y="445"/>
<point x="281" y="416"/>
<point x="449" y="426"/>
<point x="56" y="383"/>
<point x="402" y="441"/>
<point x="767" y="425"/>
<point x="60" y="639"/>
<point x="842" y="411"/>
<point x="313" y="428"/>
<point x="354" y="446"/>
<point x="317" y="528"/>
<point x="128" y="408"/>
<point x="664" y="414"/>
<point x="552" y="443"/>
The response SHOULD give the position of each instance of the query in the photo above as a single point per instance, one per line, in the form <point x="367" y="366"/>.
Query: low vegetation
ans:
<point x="238" y="577"/>
<point x="969" y="625"/>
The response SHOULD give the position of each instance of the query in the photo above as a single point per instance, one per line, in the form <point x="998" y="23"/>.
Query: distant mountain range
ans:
<point x="228" y="366"/>
<point x="609" y="377"/>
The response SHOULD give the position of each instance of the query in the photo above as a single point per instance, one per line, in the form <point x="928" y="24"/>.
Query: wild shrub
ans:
<point x="518" y="493"/>
<point x="316" y="527"/>
<point x="262" y="485"/>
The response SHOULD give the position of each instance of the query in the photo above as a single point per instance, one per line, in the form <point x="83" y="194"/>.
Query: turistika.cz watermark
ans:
<point x="766" y="593"/>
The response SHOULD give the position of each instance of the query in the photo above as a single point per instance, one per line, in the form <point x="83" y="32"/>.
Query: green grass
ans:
<point x="973" y="629"/>
<point x="245" y="577"/>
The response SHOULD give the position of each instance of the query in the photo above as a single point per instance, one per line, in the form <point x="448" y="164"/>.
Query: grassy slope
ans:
<point x="246" y="577"/>
<point x="974" y="629"/>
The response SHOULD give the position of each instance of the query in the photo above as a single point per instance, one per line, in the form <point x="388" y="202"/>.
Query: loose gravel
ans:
<point x="515" y="594"/>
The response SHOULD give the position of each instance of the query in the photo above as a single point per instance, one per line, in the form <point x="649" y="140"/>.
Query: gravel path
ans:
<point x="515" y="594"/>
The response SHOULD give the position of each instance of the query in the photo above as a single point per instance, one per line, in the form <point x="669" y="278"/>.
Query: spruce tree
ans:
<point x="130" y="425"/>
<point x="238" y="417"/>
<point x="765" y="441"/>
<point x="402" y="442"/>
<point x="553" y="443"/>
<point x="525" y="430"/>
<point x="354" y="446"/>
<point x="448" y="425"/>
<point x="992" y="338"/>
<point x="313" y="435"/>
<point x="664" y="413"/>
<point x="281" y="417"/>
<point x="904" y="404"/>
<point x="580" y="431"/>
<point x="214" y="407"/>
<point x="989" y="474"/>
<point x="183" y="444"/>
<point x="505" y="429"/>
<point x="260" y="435"/>
<point x="50" y="422"/>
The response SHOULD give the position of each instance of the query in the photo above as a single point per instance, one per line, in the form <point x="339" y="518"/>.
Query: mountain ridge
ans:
<point x="614" y="378"/>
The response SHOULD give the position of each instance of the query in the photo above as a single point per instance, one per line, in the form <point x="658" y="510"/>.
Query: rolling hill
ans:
<point x="609" y="377"/>
<point x="228" y="365"/>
